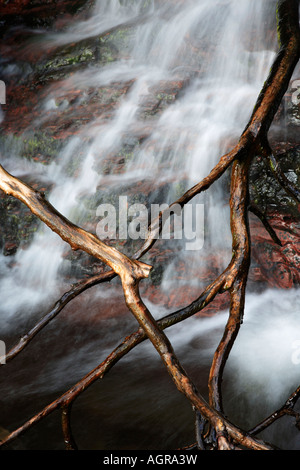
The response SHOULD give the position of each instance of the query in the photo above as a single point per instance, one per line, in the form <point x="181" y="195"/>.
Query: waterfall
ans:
<point x="216" y="56"/>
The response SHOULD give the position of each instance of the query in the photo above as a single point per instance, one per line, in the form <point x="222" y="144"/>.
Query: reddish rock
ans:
<point x="277" y="266"/>
<point x="182" y="296"/>
<point x="10" y="248"/>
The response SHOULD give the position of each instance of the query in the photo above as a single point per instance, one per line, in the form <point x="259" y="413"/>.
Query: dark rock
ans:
<point x="38" y="12"/>
<point x="10" y="248"/>
<point x="265" y="190"/>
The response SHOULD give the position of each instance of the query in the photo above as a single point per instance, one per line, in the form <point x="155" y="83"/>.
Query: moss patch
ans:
<point x="266" y="192"/>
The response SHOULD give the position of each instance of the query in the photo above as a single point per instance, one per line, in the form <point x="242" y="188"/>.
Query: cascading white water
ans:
<point x="187" y="139"/>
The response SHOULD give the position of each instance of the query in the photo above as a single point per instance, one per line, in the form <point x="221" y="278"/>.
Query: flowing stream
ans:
<point x="220" y="52"/>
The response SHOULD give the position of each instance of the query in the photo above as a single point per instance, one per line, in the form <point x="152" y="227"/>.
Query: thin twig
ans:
<point x="256" y="210"/>
<point x="286" y="409"/>
<point x="66" y="428"/>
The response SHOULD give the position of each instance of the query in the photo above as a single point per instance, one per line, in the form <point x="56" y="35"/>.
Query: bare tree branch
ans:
<point x="76" y="237"/>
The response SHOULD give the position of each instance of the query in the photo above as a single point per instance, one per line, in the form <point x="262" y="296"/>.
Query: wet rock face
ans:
<point x="265" y="189"/>
<point x="40" y="72"/>
<point x="272" y="264"/>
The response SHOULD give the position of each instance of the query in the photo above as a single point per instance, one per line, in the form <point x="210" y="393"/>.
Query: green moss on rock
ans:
<point x="266" y="192"/>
